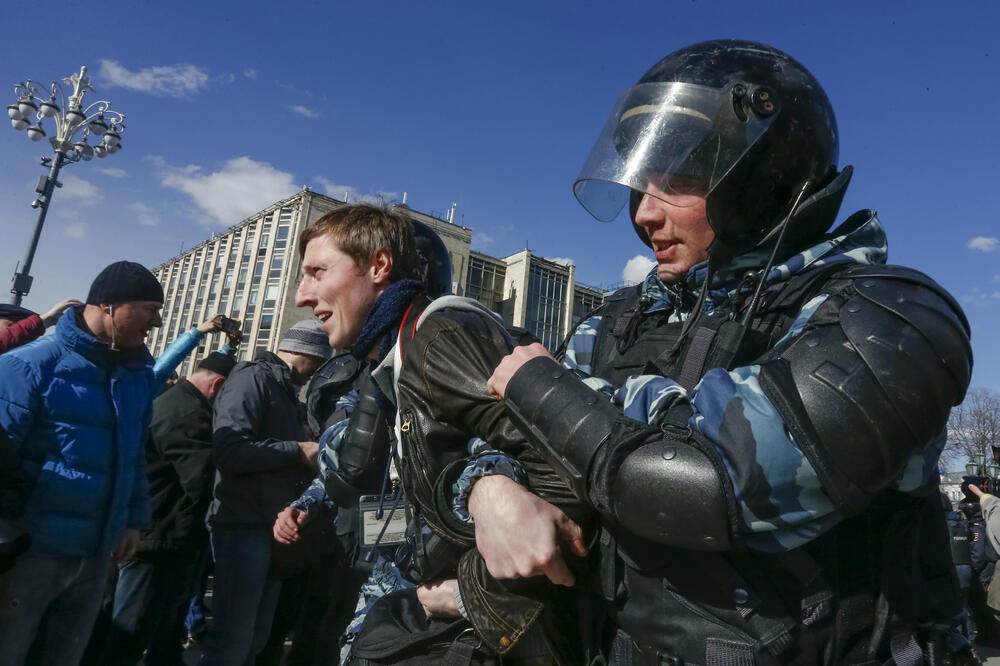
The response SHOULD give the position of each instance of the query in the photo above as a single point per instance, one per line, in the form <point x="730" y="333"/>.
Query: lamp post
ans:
<point x="37" y="102"/>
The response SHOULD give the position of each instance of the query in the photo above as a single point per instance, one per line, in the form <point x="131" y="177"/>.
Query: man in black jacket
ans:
<point x="361" y="278"/>
<point x="265" y="458"/>
<point x="154" y="588"/>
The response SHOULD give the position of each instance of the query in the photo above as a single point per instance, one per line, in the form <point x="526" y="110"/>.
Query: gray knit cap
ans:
<point x="306" y="337"/>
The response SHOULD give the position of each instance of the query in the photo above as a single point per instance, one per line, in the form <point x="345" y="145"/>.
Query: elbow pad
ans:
<point x="364" y="450"/>
<point x="673" y="492"/>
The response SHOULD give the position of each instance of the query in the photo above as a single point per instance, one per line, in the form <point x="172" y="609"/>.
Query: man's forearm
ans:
<point x="235" y="455"/>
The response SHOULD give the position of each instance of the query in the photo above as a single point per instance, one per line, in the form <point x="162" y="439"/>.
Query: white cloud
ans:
<point x="242" y="187"/>
<point x="996" y="278"/>
<point x="114" y="173"/>
<point x="76" y="230"/>
<point x="562" y="261"/>
<point x="168" y="80"/>
<point x="304" y="111"/>
<point x="482" y="240"/>
<point x="983" y="243"/>
<point x="981" y="296"/>
<point x="250" y="73"/>
<point x="82" y="190"/>
<point x="351" y="193"/>
<point x="144" y="214"/>
<point x="637" y="268"/>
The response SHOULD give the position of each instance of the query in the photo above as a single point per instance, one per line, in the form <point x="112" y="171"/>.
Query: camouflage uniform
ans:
<point x="783" y="513"/>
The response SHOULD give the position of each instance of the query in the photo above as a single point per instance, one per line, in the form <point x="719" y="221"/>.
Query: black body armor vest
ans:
<point x="739" y="607"/>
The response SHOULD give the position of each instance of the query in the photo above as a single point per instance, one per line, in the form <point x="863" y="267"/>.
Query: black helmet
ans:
<point x="738" y="122"/>
<point x="434" y="262"/>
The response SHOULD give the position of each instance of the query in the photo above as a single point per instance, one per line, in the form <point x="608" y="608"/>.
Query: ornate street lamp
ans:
<point x="74" y="126"/>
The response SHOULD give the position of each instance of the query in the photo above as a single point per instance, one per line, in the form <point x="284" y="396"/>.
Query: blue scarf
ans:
<point x="383" y="321"/>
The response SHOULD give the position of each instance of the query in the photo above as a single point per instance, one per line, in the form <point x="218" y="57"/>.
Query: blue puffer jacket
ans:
<point x="76" y="415"/>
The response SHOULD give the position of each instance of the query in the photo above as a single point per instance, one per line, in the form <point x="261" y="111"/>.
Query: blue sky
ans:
<point x="493" y="107"/>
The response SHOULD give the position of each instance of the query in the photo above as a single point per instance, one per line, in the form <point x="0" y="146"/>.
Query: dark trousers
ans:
<point x="150" y="603"/>
<point x="243" y="595"/>
<point x="48" y="605"/>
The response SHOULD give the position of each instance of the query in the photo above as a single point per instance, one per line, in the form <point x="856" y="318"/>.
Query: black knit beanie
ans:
<point x="217" y="362"/>
<point x="124" y="281"/>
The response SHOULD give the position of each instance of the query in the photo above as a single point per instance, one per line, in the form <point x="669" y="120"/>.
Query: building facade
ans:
<point x="250" y="273"/>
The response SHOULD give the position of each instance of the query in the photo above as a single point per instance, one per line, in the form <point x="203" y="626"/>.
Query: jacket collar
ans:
<point x="278" y="368"/>
<point x="188" y="387"/>
<point x="71" y="336"/>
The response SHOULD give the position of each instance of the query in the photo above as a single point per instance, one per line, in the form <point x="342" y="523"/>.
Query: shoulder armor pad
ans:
<point x="871" y="379"/>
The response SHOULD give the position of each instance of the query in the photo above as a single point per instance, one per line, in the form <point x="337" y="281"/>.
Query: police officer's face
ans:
<point x="678" y="228"/>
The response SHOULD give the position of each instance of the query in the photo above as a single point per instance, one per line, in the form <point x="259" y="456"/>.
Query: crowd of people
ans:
<point x="733" y="462"/>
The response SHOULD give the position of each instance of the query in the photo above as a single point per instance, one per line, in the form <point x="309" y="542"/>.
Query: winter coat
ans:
<point x="179" y="469"/>
<point x="76" y="413"/>
<point x="257" y="426"/>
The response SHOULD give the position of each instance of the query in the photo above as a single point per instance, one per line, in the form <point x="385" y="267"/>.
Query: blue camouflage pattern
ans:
<point x="329" y="442"/>
<point x="384" y="579"/>
<point x="484" y="462"/>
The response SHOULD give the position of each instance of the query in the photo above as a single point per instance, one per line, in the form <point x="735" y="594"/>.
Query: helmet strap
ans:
<point x="782" y="229"/>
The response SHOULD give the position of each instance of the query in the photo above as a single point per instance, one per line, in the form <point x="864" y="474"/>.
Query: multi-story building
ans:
<point x="250" y="272"/>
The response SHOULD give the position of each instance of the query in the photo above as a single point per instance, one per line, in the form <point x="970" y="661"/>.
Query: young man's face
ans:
<point x="340" y="293"/>
<point x="678" y="228"/>
<point x="134" y="320"/>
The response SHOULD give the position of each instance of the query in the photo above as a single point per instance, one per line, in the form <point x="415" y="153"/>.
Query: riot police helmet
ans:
<point x="741" y="124"/>
<point x="433" y="260"/>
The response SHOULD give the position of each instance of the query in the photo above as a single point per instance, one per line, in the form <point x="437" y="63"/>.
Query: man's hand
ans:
<point x="213" y="324"/>
<point x="310" y="453"/>
<point x="127" y="545"/>
<point x="510" y="364"/>
<point x="438" y="599"/>
<point x="286" y="527"/>
<point x="52" y="316"/>
<point x="976" y="490"/>
<point x="519" y="534"/>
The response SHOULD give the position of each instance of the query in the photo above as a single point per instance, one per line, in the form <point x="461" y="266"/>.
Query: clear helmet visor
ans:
<point x="675" y="141"/>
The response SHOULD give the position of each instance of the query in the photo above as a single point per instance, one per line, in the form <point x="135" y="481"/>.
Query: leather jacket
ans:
<point x="443" y="401"/>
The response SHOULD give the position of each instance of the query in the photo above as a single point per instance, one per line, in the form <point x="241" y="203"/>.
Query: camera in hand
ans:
<point x="987" y="484"/>
<point x="230" y="326"/>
